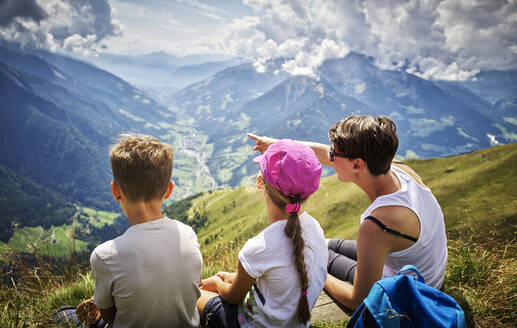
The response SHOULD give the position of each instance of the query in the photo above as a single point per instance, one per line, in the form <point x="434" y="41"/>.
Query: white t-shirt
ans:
<point x="429" y="253"/>
<point x="269" y="257"/>
<point x="150" y="274"/>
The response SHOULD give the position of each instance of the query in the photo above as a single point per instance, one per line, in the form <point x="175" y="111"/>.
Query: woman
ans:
<point x="281" y="271"/>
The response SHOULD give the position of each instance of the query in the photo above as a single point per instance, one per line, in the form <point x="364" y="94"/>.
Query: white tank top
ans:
<point x="429" y="253"/>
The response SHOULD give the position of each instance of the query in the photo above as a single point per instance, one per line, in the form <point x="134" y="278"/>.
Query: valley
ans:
<point x="60" y="114"/>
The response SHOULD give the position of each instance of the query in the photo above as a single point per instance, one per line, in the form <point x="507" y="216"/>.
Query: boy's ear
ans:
<point x="115" y="191"/>
<point x="169" y="189"/>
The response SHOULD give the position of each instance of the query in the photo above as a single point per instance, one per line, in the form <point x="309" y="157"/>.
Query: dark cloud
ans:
<point x="76" y="25"/>
<point x="27" y="9"/>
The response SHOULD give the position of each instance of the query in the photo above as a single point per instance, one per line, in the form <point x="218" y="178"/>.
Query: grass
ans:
<point x="100" y="218"/>
<point x="55" y="241"/>
<point x="29" y="300"/>
<point x="476" y="192"/>
<point x="482" y="275"/>
<point x="329" y="324"/>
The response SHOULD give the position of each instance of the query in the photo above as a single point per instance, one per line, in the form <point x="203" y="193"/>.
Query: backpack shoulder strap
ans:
<point x="409" y="267"/>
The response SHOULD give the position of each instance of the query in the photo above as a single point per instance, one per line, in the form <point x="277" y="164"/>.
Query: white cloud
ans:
<point x="359" y="88"/>
<point x="79" y="44"/>
<point x="179" y="27"/>
<point x="284" y="30"/>
<point x="431" y="68"/>
<point x="435" y="39"/>
<point x="492" y="139"/>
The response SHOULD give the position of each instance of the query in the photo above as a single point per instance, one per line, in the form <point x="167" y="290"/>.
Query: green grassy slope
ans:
<point x="475" y="189"/>
<point x="476" y="192"/>
<point x="99" y="218"/>
<point x="61" y="240"/>
<point x="55" y="241"/>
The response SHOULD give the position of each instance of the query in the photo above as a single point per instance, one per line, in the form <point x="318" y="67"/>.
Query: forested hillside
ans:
<point x="41" y="207"/>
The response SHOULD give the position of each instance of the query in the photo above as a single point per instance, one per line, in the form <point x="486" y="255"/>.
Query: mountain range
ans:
<point x="58" y="116"/>
<point x="159" y="73"/>
<point x="434" y="118"/>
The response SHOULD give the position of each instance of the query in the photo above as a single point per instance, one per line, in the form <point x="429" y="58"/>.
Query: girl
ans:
<point x="281" y="271"/>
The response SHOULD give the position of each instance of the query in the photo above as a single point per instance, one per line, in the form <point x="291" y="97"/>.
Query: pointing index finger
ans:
<point x="252" y="136"/>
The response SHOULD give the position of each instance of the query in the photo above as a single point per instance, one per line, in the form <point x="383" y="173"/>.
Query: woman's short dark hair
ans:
<point x="373" y="139"/>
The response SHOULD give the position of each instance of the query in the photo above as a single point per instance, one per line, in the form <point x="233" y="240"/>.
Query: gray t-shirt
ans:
<point x="150" y="274"/>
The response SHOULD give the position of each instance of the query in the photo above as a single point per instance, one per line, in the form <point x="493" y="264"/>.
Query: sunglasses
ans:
<point x="333" y="154"/>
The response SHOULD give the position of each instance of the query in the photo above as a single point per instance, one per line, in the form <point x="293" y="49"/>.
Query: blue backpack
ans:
<point x="403" y="301"/>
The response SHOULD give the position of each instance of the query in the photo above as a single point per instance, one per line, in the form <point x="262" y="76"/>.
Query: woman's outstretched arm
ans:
<point x="321" y="150"/>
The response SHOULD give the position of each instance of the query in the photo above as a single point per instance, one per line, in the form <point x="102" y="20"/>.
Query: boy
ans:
<point x="149" y="276"/>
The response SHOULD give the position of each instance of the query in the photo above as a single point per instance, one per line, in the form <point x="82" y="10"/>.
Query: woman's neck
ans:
<point x="376" y="186"/>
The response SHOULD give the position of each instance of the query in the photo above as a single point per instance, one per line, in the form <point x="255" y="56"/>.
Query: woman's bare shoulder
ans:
<point x="411" y="173"/>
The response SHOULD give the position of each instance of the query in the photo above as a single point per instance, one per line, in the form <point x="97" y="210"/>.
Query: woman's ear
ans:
<point x="359" y="164"/>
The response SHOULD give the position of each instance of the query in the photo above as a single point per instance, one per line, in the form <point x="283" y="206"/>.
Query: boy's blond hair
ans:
<point x="142" y="166"/>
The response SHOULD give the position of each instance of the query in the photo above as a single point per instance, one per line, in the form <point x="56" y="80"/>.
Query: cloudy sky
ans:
<point x="436" y="39"/>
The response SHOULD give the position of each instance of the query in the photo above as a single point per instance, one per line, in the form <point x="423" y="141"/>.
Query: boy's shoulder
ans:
<point x="183" y="229"/>
<point x="104" y="250"/>
<point x="179" y="224"/>
<point x="109" y="248"/>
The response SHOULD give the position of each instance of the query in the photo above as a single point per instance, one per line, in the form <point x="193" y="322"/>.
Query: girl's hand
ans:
<point x="226" y="276"/>
<point x="210" y="284"/>
<point x="262" y="143"/>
